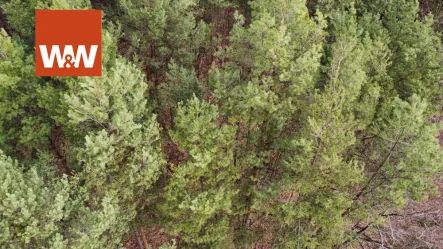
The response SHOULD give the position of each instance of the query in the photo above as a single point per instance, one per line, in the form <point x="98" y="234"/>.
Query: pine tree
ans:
<point x="40" y="210"/>
<point x="121" y="156"/>
<point x="201" y="194"/>
<point x="31" y="209"/>
<point x="162" y="31"/>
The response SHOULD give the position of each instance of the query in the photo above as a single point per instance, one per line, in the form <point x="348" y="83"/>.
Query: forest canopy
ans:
<point x="223" y="123"/>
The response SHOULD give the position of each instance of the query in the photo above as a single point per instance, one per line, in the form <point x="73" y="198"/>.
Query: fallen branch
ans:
<point x="145" y="242"/>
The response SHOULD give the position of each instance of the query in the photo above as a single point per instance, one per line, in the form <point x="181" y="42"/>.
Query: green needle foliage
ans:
<point x="32" y="210"/>
<point x="290" y="123"/>
<point x="201" y="193"/>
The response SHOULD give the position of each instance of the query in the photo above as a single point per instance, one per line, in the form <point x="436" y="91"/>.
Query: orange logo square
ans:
<point x="68" y="42"/>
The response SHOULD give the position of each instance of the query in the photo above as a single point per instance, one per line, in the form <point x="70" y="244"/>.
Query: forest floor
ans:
<point x="419" y="225"/>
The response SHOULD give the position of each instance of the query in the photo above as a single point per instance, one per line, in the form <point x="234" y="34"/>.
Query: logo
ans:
<point x="68" y="43"/>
